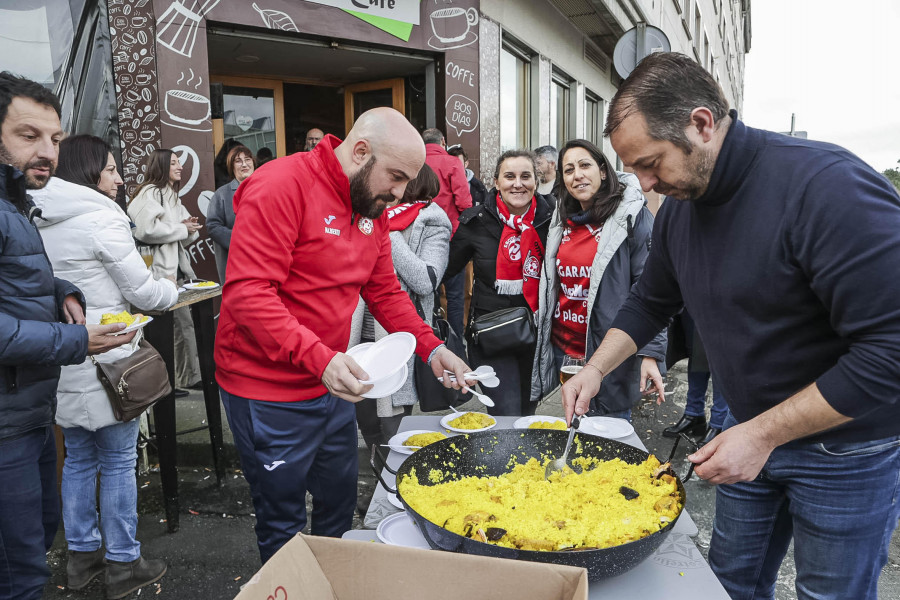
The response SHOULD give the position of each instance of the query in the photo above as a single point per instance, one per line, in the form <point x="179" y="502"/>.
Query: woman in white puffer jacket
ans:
<point x="88" y="240"/>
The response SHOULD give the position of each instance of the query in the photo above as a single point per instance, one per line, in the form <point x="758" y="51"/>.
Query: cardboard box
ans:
<point x="317" y="568"/>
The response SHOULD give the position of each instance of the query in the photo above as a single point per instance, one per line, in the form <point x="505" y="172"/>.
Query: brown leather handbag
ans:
<point x="136" y="382"/>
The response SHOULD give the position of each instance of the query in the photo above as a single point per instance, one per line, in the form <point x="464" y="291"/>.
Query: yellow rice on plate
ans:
<point x="472" y="420"/>
<point x="122" y="317"/>
<point x="423" y="439"/>
<point x="548" y="425"/>
<point x="521" y="509"/>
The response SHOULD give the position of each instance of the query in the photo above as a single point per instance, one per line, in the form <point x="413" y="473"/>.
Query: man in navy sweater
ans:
<point x="785" y="252"/>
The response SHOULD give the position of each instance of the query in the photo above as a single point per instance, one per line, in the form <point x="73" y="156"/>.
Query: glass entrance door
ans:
<point x="360" y="97"/>
<point x="253" y="114"/>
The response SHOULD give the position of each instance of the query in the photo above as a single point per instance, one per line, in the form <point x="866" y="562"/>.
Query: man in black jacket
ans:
<point x="42" y="327"/>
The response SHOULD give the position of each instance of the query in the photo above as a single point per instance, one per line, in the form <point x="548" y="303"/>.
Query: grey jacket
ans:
<point x="220" y="222"/>
<point x="420" y="255"/>
<point x="619" y="262"/>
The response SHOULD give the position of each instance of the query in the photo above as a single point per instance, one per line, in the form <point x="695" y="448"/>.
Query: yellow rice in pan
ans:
<point x="521" y="509"/>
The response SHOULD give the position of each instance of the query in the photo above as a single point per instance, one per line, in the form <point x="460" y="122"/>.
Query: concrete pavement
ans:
<point x="214" y="552"/>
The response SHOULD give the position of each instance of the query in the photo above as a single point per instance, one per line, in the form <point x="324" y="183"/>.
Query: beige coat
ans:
<point x="158" y="216"/>
<point x="88" y="241"/>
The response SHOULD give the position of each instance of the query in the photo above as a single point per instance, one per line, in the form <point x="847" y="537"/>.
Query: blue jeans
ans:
<point x="558" y="356"/>
<point x="29" y="512"/>
<point x="112" y="451"/>
<point x="454" y="290"/>
<point x="695" y="406"/>
<point x="839" y="502"/>
<point x="287" y="448"/>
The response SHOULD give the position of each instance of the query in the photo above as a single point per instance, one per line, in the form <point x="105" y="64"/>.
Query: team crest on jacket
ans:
<point x="532" y="266"/>
<point x="366" y="226"/>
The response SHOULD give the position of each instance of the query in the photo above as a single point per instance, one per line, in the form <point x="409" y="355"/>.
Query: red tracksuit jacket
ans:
<point x="299" y="258"/>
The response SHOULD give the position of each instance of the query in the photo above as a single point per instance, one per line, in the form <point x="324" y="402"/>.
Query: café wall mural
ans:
<point x="161" y="69"/>
<point x="131" y="27"/>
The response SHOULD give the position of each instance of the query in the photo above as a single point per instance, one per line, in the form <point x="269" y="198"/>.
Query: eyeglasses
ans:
<point x="693" y="444"/>
<point x="243" y="161"/>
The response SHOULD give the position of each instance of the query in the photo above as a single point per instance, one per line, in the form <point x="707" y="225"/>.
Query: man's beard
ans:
<point x="361" y="198"/>
<point x="699" y="166"/>
<point x="32" y="183"/>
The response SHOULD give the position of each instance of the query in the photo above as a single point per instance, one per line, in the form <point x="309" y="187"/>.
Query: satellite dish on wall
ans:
<point x="635" y="45"/>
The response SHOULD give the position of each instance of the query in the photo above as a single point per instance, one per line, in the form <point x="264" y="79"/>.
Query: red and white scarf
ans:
<point x="402" y="216"/>
<point x="515" y="274"/>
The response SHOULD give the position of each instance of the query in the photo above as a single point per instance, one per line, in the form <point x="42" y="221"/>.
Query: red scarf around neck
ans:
<point x="402" y="216"/>
<point x="515" y="274"/>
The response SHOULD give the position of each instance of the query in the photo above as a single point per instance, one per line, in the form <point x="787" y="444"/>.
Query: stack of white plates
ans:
<point x="385" y="362"/>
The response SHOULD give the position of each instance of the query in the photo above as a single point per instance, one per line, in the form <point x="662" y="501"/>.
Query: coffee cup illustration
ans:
<point x="452" y="24"/>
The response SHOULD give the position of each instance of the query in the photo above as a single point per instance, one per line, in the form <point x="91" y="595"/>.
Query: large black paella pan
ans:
<point x="487" y="454"/>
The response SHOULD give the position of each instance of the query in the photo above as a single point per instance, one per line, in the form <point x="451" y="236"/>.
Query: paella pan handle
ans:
<point x="377" y="470"/>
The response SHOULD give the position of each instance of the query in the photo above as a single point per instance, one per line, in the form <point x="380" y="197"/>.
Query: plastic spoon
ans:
<point x="479" y="374"/>
<point x="489" y="380"/>
<point x="400" y="447"/>
<point x="481" y="397"/>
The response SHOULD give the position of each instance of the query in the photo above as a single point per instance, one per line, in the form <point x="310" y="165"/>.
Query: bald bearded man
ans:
<point x="309" y="239"/>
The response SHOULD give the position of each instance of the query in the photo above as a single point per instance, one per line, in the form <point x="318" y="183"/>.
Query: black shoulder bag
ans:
<point x="432" y="393"/>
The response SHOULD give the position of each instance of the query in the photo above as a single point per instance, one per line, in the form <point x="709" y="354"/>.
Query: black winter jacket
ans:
<point x="478" y="239"/>
<point x="34" y="341"/>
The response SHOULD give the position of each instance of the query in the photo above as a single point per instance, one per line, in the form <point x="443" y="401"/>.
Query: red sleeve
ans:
<point x="459" y="186"/>
<point x="271" y="211"/>
<point x="391" y="306"/>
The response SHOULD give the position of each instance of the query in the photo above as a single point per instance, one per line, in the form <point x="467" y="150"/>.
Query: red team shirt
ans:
<point x="573" y="265"/>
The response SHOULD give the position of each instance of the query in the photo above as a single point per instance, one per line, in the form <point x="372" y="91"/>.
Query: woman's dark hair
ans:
<point x="457" y="150"/>
<point x="263" y="155"/>
<point x="234" y="153"/>
<point x="424" y="186"/>
<point x="516" y="154"/>
<point x="605" y="201"/>
<point x="156" y="172"/>
<point x="81" y="160"/>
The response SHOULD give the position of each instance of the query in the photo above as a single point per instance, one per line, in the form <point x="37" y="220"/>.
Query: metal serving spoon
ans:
<point x="559" y="464"/>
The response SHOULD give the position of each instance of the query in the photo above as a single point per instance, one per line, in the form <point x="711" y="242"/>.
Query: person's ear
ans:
<point x="361" y="152"/>
<point x="703" y="124"/>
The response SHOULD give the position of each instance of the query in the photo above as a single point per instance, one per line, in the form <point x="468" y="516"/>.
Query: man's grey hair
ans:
<point x="432" y="136"/>
<point x="548" y="153"/>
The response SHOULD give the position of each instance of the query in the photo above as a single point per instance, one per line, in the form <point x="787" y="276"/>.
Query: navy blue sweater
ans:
<point x="789" y="265"/>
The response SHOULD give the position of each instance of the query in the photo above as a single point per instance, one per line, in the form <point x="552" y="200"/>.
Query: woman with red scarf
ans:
<point x="598" y="241"/>
<point x="501" y="237"/>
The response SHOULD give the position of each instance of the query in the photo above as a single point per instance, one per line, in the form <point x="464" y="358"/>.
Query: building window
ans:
<point x="515" y="104"/>
<point x="686" y="18"/>
<point x="698" y="24"/>
<point x="559" y="109"/>
<point x="705" y="52"/>
<point x="593" y="118"/>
